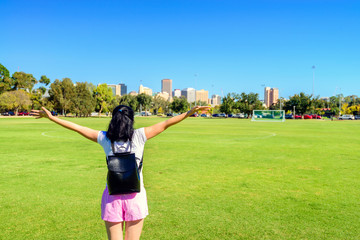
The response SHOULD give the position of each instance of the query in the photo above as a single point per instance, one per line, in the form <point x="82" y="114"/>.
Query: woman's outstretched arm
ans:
<point x="86" y="132"/>
<point x="158" y="128"/>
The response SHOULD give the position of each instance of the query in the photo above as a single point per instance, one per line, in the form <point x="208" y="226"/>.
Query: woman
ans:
<point x="130" y="209"/>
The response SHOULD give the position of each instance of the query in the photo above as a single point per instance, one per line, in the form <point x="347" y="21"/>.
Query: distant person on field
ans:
<point x="132" y="208"/>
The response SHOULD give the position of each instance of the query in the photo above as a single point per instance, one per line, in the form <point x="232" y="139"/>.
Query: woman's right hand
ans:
<point x="156" y="129"/>
<point x="198" y="108"/>
<point x="41" y="113"/>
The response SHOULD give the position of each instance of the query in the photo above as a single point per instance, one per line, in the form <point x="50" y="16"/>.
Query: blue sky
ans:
<point x="218" y="45"/>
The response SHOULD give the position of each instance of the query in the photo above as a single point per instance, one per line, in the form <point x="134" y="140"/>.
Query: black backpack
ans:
<point x="123" y="172"/>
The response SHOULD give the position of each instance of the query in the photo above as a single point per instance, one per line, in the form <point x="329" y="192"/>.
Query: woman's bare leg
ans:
<point x="133" y="229"/>
<point x="114" y="230"/>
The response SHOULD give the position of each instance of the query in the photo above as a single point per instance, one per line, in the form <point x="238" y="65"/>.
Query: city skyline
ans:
<point x="191" y="94"/>
<point x="221" y="46"/>
<point x="271" y="94"/>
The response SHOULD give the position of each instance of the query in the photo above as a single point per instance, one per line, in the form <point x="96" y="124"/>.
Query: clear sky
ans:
<point x="218" y="45"/>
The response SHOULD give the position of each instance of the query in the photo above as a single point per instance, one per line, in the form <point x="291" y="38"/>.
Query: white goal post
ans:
<point x="268" y="116"/>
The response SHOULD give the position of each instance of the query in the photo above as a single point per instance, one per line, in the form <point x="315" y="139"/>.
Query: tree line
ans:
<point x="335" y="105"/>
<point x="17" y="93"/>
<point x="298" y="103"/>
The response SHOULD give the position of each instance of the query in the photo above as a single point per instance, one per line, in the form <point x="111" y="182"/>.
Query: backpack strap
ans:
<point x="113" y="148"/>
<point x="141" y="161"/>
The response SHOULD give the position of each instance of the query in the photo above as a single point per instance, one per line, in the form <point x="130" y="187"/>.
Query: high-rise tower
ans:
<point x="123" y="89"/>
<point x="202" y="95"/>
<point x="190" y="94"/>
<point x="166" y="86"/>
<point x="271" y="96"/>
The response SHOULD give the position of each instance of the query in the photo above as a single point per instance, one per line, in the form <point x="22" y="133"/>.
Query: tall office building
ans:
<point x="145" y="90"/>
<point x="271" y="96"/>
<point x="177" y="93"/>
<point x="215" y="100"/>
<point x="202" y="95"/>
<point x="163" y="95"/>
<point x="267" y="96"/>
<point x="123" y="89"/>
<point x="166" y="86"/>
<point x="118" y="89"/>
<point x="274" y="96"/>
<point x="189" y="94"/>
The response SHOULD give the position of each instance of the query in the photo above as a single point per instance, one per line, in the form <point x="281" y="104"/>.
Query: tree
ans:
<point x="158" y="103"/>
<point x="24" y="81"/>
<point x="275" y="106"/>
<point x="200" y="103"/>
<point x="129" y="100"/>
<point x="179" y="105"/>
<point x="48" y="104"/>
<point x="3" y="72"/>
<point x="165" y="107"/>
<point x="355" y="109"/>
<point x="15" y="100"/>
<point x="302" y="103"/>
<point x="103" y="96"/>
<point x="246" y="103"/>
<point x="215" y="110"/>
<point x="37" y="94"/>
<point x="240" y="104"/>
<point x="42" y="90"/>
<point x="144" y="100"/>
<point x="320" y="103"/>
<point x="254" y="102"/>
<point x="68" y="91"/>
<point x="334" y="100"/>
<point x="345" y="109"/>
<point x="227" y="104"/>
<point x="6" y="82"/>
<point x="36" y="98"/>
<point x="114" y="103"/>
<point x="62" y="94"/>
<point x="44" y="80"/>
<point x="211" y="111"/>
<point x="91" y="87"/>
<point x="278" y="105"/>
<point x="305" y="103"/>
<point x="56" y="94"/>
<point x="84" y="102"/>
<point x="352" y="100"/>
<point x="7" y="100"/>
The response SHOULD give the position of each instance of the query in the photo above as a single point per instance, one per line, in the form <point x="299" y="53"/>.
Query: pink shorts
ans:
<point x="125" y="207"/>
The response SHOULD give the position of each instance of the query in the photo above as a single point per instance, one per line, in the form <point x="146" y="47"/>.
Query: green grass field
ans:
<point x="205" y="179"/>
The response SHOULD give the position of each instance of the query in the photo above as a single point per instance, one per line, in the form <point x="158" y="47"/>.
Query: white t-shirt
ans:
<point x="137" y="146"/>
